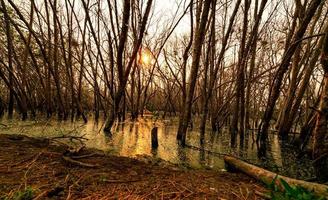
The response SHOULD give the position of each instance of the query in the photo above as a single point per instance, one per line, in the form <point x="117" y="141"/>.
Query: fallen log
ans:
<point x="88" y="155"/>
<point x="268" y="177"/>
<point x="82" y="164"/>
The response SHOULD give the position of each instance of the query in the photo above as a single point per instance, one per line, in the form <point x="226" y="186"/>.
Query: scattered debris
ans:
<point x="51" y="171"/>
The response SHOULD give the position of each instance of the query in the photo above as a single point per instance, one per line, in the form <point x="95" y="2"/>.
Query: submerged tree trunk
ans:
<point x="289" y="111"/>
<point x="306" y="132"/>
<point x="199" y="38"/>
<point x="283" y="133"/>
<point x="250" y="74"/>
<point x="283" y="67"/>
<point x="239" y="106"/>
<point x="209" y="62"/>
<point x="61" y="108"/>
<point x="9" y="56"/>
<point x="124" y="72"/>
<point x="216" y="66"/>
<point x="320" y="139"/>
<point x="2" y="108"/>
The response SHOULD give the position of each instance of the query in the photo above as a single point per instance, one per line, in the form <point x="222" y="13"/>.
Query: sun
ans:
<point x="145" y="57"/>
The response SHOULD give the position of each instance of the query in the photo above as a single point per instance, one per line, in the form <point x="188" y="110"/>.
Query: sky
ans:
<point x="165" y="9"/>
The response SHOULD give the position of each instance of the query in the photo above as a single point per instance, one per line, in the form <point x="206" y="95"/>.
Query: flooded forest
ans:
<point x="154" y="99"/>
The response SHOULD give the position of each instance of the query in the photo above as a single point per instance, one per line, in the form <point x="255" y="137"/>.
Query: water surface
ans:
<point x="133" y="139"/>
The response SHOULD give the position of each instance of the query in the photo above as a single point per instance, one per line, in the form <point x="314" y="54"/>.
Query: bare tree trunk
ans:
<point x="250" y="75"/>
<point x="117" y="97"/>
<point x="123" y="74"/>
<point x="61" y="110"/>
<point x="290" y="95"/>
<point x="9" y="56"/>
<point x="48" y="73"/>
<point x="199" y="38"/>
<point x="2" y="108"/>
<point x="79" y="91"/>
<point x="185" y="58"/>
<point x="283" y="67"/>
<point x="214" y="71"/>
<point x="307" y="129"/>
<point x="320" y="139"/>
<point x="210" y="60"/>
<point x="239" y="107"/>
<point x="293" y="101"/>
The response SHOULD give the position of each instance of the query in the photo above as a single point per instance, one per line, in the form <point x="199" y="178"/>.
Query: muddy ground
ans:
<point x="48" y="170"/>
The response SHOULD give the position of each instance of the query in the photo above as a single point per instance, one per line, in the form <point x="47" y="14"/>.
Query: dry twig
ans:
<point x="82" y="164"/>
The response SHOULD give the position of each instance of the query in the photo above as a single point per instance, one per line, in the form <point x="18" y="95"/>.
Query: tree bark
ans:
<point x="209" y="62"/>
<point x="239" y="107"/>
<point x="123" y="74"/>
<point x="199" y="38"/>
<point x="268" y="177"/>
<point x="9" y="56"/>
<point x="292" y="101"/>
<point x="320" y="139"/>
<point x="283" y="67"/>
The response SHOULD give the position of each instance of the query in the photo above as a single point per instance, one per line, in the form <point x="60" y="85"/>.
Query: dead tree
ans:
<point x="185" y="115"/>
<point x="124" y="71"/>
<point x="320" y="139"/>
<point x="283" y="67"/>
<point x="10" y="56"/>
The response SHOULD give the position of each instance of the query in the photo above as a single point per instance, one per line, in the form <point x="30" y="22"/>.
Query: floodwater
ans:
<point x="133" y="139"/>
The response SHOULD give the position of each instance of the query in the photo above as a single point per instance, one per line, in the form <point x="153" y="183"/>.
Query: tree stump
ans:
<point x="154" y="138"/>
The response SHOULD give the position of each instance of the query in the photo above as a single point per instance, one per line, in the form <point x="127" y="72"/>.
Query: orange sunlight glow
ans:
<point x="145" y="57"/>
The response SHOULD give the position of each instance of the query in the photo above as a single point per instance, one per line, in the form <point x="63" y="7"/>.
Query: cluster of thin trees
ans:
<point x="243" y="64"/>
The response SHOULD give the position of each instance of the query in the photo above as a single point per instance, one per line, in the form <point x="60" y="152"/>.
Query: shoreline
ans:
<point x="40" y="165"/>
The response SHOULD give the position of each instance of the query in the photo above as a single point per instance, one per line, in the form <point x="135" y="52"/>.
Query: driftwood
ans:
<point x="268" y="176"/>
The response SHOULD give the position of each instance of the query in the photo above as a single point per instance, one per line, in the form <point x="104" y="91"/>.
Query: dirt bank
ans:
<point x="39" y="165"/>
